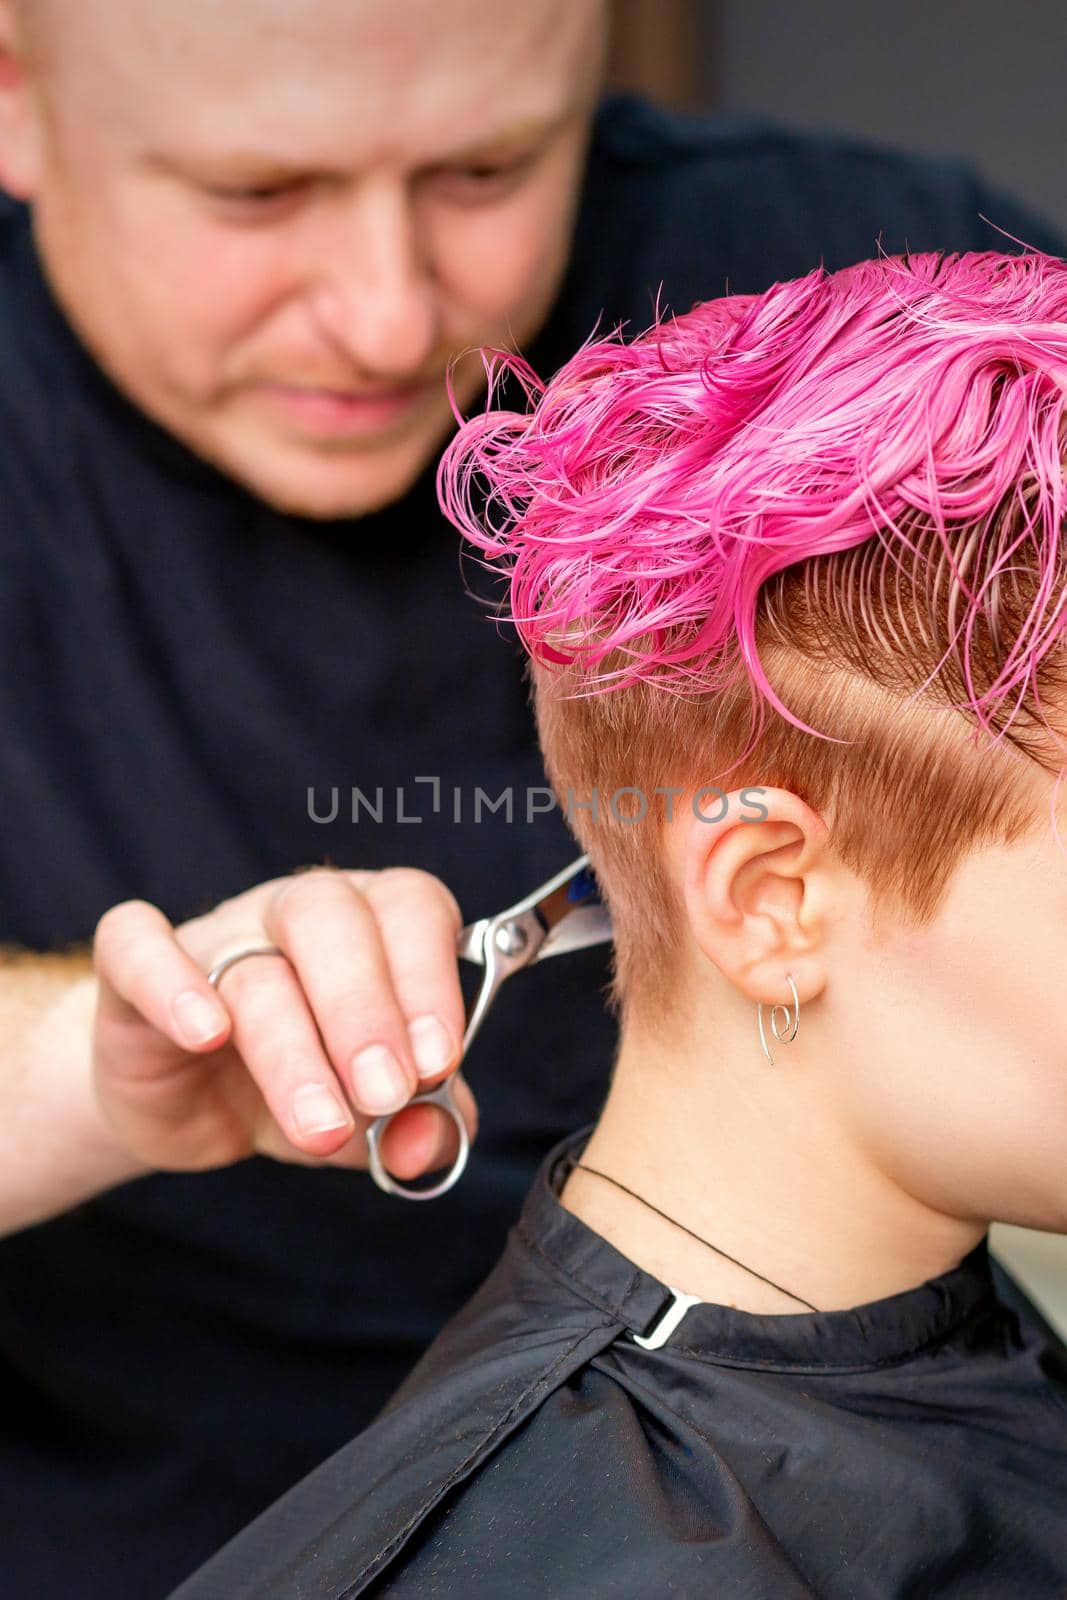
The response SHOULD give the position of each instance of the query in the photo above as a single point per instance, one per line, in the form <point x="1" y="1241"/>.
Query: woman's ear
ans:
<point x="20" y="115"/>
<point x="759" y="884"/>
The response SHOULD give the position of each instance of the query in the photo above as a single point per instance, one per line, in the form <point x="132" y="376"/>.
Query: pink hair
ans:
<point x="657" y="485"/>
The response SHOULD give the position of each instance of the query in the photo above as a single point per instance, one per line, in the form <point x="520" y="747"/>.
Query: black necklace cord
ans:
<point x="580" y="1166"/>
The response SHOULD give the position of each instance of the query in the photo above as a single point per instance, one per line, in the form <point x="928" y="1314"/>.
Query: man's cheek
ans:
<point x="210" y="281"/>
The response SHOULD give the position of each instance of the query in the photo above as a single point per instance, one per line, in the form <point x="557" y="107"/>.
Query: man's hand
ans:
<point x="294" y="1054"/>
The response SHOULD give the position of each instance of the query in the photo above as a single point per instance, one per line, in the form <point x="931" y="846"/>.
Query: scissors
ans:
<point x="564" y="914"/>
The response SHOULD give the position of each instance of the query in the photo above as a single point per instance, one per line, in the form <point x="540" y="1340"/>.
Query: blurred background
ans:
<point x="980" y="80"/>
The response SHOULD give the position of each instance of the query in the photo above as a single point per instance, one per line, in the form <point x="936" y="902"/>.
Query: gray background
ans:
<point x="984" y="80"/>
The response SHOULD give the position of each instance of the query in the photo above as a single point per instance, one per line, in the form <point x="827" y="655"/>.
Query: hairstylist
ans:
<point x="244" y="243"/>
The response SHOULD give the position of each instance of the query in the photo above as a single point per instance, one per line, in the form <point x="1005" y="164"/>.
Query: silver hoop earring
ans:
<point x="791" y="1024"/>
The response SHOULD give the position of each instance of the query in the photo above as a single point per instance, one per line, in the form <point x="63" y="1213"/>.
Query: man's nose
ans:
<point x="374" y="295"/>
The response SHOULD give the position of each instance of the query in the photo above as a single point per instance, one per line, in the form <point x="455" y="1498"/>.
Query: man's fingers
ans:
<point x="142" y="966"/>
<point x="372" y="965"/>
<point x="276" y="1038"/>
<point x="419" y="920"/>
<point x="360" y="1010"/>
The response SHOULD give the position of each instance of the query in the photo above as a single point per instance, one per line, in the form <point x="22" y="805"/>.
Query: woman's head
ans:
<point x="811" y="542"/>
<point x="832" y="512"/>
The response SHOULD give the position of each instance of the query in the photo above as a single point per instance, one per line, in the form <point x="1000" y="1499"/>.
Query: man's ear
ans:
<point x="758" y="884"/>
<point x="20" y="120"/>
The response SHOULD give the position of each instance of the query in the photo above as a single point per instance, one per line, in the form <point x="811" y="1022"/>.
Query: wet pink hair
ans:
<point x="861" y="469"/>
<point x="658" y="485"/>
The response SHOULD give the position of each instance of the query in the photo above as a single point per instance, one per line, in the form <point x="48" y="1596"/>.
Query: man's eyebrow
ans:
<point x="238" y="162"/>
<point x="269" y="167"/>
<point x="531" y="131"/>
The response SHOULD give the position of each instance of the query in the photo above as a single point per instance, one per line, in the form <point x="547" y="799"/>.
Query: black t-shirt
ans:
<point x="181" y="666"/>
<point x="914" y="1446"/>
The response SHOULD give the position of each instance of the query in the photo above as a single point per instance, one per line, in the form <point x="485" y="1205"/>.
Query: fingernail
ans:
<point x="379" y="1081"/>
<point x="317" y="1109"/>
<point x="431" y="1045"/>
<point x="198" y="1019"/>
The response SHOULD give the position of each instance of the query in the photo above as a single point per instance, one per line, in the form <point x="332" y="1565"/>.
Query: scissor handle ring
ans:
<point x="441" y="1096"/>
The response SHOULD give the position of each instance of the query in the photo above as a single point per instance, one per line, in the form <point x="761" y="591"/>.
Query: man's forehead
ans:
<point x="255" y="73"/>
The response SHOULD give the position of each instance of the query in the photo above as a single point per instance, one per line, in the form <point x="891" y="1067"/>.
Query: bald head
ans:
<point x="306" y="47"/>
<point x="275" y="222"/>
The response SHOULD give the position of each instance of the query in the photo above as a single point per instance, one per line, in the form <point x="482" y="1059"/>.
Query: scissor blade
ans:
<point x="558" y="898"/>
<point x="580" y="929"/>
<point x="572" y="913"/>
<point x="562" y="914"/>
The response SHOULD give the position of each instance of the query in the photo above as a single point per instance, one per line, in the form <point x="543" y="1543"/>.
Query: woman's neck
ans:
<point x="755" y="1163"/>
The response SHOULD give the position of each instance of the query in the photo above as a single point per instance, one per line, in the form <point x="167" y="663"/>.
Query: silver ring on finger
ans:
<point x="239" y="955"/>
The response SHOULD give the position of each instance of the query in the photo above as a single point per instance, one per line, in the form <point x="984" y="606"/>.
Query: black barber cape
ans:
<point x="179" y="667"/>
<point x="916" y="1446"/>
